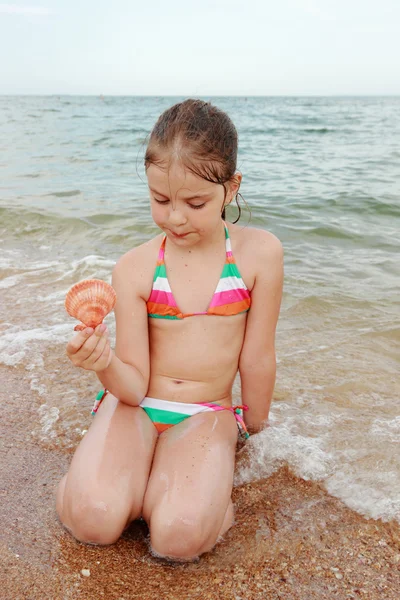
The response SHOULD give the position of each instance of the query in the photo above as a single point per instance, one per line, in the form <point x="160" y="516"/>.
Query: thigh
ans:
<point x="192" y="474"/>
<point x="111" y="466"/>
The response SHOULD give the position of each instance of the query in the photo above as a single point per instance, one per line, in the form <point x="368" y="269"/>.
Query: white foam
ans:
<point x="41" y="266"/>
<point x="38" y="387"/>
<point x="15" y="342"/>
<point x="366" y="491"/>
<point x="55" y="297"/>
<point x="49" y="415"/>
<point x="10" y="281"/>
<point x="355" y="455"/>
<point x="11" y="359"/>
<point x="279" y="444"/>
<point x="390" y="430"/>
<point x="94" y="260"/>
<point x="8" y="258"/>
<point x="93" y="265"/>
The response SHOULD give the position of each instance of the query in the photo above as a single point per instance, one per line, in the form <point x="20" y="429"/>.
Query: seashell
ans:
<point x="90" y="301"/>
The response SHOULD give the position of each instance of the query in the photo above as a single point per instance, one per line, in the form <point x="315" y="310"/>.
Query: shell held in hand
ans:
<point x="90" y="301"/>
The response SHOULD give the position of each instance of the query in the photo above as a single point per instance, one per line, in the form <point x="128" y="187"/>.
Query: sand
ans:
<point x="291" y="539"/>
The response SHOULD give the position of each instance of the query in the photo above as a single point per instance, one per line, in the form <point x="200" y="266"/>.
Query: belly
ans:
<point x="196" y="359"/>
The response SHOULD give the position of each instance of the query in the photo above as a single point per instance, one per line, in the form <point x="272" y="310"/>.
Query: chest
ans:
<point x="193" y="282"/>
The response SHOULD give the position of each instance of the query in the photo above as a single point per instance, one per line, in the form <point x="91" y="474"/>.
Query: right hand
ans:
<point x="90" y="349"/>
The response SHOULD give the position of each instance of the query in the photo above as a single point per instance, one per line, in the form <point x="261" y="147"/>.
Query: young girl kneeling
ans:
<point x="194" y="305"/>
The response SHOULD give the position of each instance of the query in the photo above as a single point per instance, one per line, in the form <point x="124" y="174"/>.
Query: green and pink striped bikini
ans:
<point x="230" y="298"/>
<point x="165" y="413"/>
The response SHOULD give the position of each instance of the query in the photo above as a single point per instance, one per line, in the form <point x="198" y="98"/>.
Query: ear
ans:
<point x="233" y="187"/>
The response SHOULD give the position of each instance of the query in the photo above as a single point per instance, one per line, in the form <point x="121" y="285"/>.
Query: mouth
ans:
<point x="179" y="235"/>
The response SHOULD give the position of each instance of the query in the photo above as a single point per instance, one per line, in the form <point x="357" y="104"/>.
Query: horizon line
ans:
<point x="100" y="95"/>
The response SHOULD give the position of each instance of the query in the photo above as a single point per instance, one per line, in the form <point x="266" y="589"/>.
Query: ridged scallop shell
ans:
<point x="90" y="301"/>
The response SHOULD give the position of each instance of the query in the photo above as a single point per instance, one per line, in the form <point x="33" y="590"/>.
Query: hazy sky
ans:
<point x="211" y="47"/>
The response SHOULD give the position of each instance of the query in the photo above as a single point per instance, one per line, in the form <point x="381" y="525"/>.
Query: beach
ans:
<point x="317" y="494"/>
<point x="291" y="540"/>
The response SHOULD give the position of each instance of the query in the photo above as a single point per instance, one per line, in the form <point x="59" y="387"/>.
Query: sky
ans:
<point x="206" y="48"/>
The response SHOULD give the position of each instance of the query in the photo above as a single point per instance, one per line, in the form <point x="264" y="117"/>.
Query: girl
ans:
<point x="194" y="305"/>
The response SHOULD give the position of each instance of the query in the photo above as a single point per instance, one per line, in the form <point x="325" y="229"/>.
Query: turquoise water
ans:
<point x="323" y="174"/>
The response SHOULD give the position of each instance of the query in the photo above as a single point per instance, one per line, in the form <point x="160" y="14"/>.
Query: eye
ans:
<point x="196" y="206"/>
<point x="161" y="201"/>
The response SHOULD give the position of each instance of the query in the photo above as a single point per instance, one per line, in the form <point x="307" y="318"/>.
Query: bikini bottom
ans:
<point x="165" y="413"/>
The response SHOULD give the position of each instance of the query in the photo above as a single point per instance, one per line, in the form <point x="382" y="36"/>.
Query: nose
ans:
<point x="177" y="217"/>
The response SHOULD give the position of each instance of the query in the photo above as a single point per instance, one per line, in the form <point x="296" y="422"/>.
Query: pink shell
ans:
<point x="90" y="301"/>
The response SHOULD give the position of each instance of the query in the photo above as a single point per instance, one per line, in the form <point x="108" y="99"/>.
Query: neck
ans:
<point x="213" y="242"/>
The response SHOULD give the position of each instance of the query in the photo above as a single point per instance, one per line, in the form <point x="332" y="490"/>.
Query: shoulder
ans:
<point x="264" y="243"/>
<point x="136" y="267"/>
<point x="257" y="247"/>
<point x="264" y="259"/>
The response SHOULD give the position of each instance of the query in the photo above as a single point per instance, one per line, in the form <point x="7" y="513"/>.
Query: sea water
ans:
<point x="323" y="174"/>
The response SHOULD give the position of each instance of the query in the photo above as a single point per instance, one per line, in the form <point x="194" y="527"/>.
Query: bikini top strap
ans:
<point x="228" y="245"/>
<point x="161" y="251"/>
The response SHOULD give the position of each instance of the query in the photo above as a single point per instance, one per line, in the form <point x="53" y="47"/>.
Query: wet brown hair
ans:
<point x="202" y="136"/>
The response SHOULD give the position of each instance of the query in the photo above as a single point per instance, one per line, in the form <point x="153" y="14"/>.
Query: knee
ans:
<point x="95" y="522"/>
<point x="91" y="519"/>
<point x="180" y="537"/>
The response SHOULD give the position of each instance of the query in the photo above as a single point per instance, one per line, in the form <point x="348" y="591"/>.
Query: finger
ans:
<point x="101" y="329"/>
<point x="96" y="348"/>
<point x="85" y="352"/>
<point x="78" y="340"/>
<point x="104" y="359"/>
<point x="96" y="353"/>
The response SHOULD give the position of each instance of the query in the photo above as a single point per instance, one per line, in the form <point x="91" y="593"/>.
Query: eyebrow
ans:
<point x="196" y="196"/>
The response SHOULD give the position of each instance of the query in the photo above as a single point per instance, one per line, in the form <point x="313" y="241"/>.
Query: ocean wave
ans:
<point x="351" y="453"/>
<point x="373" y="494"/>
<point x="43" y="226"/>
<point x="82" y="234"/>
<point x="281" y="444"/>
<point x="65" y="193"/>
<point x="319" y="130"/>
<point x="129" y="130"/>
<point x="85" y="267"/>
<point x="331" y="231"/>
<point x="10" y="281"/>
<point x="16" y="343"/>
<point x="315" y="304"/>
<point x="101" y="140"/>
<point x="290" y="129"/>
<point x="81" y="160"/>
<point x="360" y="205"/>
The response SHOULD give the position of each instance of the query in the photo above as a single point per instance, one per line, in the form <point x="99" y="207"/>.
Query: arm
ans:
<point x="257" y="363"/>
<point x="127" y="375"/>
<point x="125" y="372"/>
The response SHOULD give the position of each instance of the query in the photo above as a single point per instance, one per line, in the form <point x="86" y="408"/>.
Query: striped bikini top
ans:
<point x="231" y="296"/>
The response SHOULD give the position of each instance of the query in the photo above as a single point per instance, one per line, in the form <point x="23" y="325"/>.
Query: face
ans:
<point x="186" y="207"/>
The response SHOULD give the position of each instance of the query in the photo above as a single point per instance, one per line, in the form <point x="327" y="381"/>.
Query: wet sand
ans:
<point x="291" y="540"/>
